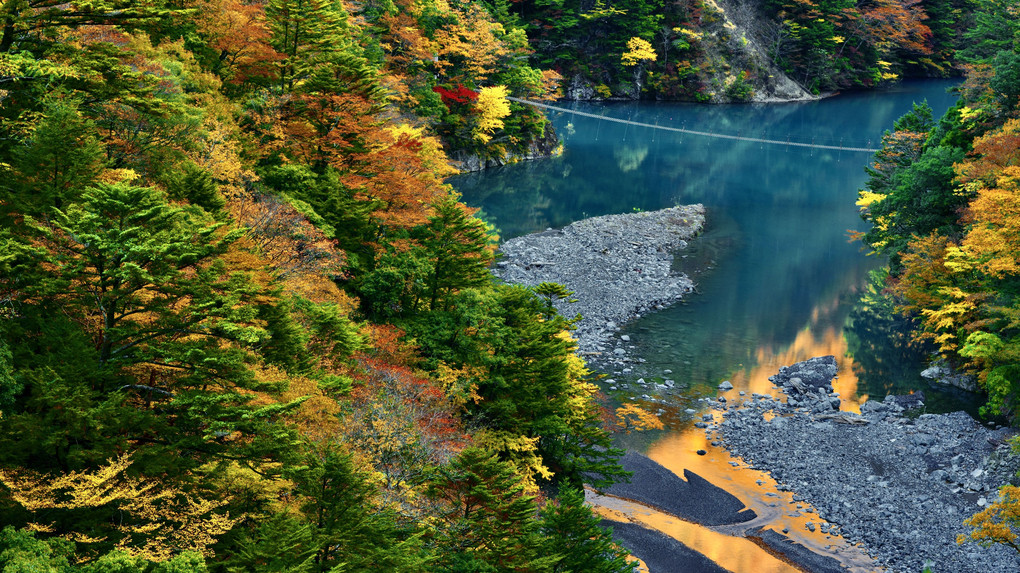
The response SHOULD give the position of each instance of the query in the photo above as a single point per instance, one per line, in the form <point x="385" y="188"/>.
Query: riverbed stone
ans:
<point x="619" y="267"/>
<point x="896" y="483"/>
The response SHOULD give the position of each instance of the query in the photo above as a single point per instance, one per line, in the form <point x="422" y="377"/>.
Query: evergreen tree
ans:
<point x="161" y="326"/>
<point x="347" y="531"/>
<point x="488" y="515"/>
<point x="460" y="249"/>
<point x="995" y="28"/>
<point x="305" y="33"/>
<point x="574" y="532"/>
<point x="54" y="166"/>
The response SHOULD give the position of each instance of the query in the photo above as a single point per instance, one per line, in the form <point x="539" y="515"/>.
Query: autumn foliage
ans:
<point x="229" y="267"/>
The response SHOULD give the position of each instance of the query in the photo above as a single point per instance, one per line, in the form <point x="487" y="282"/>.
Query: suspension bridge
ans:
<point x="692" y="131"/>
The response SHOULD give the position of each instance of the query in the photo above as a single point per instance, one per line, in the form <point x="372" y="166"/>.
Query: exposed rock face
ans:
<point x="748" y="36"/>
<point x="900" y="486"/>
<point x="581" y="89"/>
<point x="619" y="267"/>
<point x="734" y="39"/>
<point x="940" y="372"/>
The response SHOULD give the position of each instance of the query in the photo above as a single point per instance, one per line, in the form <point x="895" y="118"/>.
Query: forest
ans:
<point x="942" y="199"/>
<point x="246" y="326"/>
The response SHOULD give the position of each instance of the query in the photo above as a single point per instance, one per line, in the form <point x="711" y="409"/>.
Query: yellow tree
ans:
<point x="638" y="50"/>
<point x="491" y="107"/>
<point x="997" y="523"/>
<point x="106" y="507"/>
<point x="470" y="47"/>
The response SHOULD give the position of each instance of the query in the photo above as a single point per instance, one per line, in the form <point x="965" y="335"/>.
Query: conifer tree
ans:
<point x="168" y="326"/>
<point x="574" y="532"/>
<point x="459" y="247"/>
<point x="54" y="166"/>
<point x="305" y="33"/>
<point x="488" y="513"/>
<point x="347" y="530"/>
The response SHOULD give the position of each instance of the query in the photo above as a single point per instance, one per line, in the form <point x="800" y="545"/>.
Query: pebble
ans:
<point x="865" y="476"/>
<point x="596" y="259"/>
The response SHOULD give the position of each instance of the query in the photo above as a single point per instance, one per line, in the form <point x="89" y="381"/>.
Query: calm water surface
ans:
<point x="778" y="280"/>
<point x="777" y="276"/>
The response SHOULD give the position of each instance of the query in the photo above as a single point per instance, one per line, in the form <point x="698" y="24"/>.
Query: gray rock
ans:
<point x="885" y="481"/>
<point x="619" y="267"/>
<point x="939" y="372"/>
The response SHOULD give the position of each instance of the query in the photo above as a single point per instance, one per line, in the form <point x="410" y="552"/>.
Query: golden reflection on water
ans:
<point x="735" y="554"/>
<point x="807" y="344"/>
<point x="776" y="509"/>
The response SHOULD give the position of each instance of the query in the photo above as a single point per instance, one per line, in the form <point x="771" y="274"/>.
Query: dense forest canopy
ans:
<point x="246" y="326"/>
<point x="941" y="198"/>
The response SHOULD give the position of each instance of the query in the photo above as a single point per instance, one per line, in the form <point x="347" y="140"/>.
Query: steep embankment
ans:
<point x="719" y="57"/>
<point x="738" y="35"/>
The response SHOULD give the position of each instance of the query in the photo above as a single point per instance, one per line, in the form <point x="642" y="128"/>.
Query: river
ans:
<point x="778" y="279"/>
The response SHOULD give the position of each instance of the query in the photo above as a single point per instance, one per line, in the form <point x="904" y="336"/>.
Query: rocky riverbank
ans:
<point x="898" y="483"/>
<point x="619" y="267"/>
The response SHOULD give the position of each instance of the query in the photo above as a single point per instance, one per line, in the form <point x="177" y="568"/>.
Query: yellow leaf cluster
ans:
<point x="460" y="385"/>
<point x="473" y="41"/>
<point x="638" y="50"/>
<point x="997" y="523"/>
<point x="867" y="198"/>
<point x="491" y="107"/>
<point x="691" y="35"/>
<point x="431" y="151"/>
<point x="169" y="520"/>
<point x="522" y="451"/>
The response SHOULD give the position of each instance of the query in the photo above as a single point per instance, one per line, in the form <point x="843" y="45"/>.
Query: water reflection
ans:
<point x="731" y="553"/>
<point x="777" y="279"/>
<point x="776" y="245"/>
<point x="887" y="360"/>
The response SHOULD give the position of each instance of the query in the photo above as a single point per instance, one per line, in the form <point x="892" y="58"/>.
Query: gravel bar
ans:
<point x="898" y="483"/>
<point x="619" y="267"/>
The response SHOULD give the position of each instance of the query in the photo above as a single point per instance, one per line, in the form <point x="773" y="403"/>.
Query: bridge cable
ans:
<point x="691" y="131"/>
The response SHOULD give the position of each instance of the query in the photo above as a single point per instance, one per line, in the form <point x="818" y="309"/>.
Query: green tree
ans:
<point x="305" y="33"/>
<point x="163" y="326"/>
<point x="1005" y="82"/>
<point x="22" y="552"/>
<point x="488" y="515"/>
<point x="574" y="532"/>
<point x="530" y="388"/>
<point x="60" y="159"/>
<point x="279" y="542"/>
<point x="910" y="190"/>
<point x="459" y="246"/>
<point x="347" y="530"/>
<point x="995" y="28"/>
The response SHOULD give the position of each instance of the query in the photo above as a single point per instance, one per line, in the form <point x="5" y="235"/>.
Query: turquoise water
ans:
<point x="777" y="277"/>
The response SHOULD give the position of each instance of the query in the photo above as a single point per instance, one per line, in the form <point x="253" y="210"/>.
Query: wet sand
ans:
<point x="677" y="524"/>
